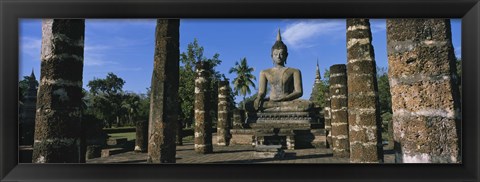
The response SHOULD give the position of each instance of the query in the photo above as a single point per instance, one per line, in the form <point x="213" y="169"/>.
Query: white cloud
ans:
<point x="458" y="52"/>
<point x="378" y="25"/>
<point x="300" y="33"/>
<point x="31" y="46"/>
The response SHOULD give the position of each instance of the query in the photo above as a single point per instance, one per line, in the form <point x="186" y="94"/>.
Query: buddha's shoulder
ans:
<point x="293" y="70"/>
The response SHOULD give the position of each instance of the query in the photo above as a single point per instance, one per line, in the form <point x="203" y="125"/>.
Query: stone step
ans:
<point x="116" y="141"/>
<point x="111" y="151"/>
<point x="269" y="151"/>
<point x="268" y="148"/>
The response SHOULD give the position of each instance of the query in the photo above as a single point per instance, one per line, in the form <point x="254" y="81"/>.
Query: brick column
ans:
<point x="363" y="108"/>
<point x="58" y="115"/>
<point x="425" y="98"/>
<point x="203" y="121"/>
<point x="164" y="99"/>
<point x="338" y="104"/>
<point x="328" y="119"/>
<point x="223" y="132"/>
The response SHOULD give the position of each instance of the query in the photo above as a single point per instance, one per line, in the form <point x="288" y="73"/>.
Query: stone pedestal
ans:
<point x="289" y="135"/>
<point x="364" y="121"/>
<point x="425" y="97"/>
<point x="203" y="123"/>
<point x="338" y="104"/>
<point x="164" y="99"/>
<point x="58" y="114"/>
<point x="269" y="151"/>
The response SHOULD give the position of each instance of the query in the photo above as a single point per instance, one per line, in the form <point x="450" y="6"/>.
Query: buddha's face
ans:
<point x="279" y="56"/>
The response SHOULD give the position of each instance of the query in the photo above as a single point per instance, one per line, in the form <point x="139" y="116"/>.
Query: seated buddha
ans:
<point x="285" y="85"/>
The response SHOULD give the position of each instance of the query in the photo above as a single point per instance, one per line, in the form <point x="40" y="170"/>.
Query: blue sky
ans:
<point x="125" y="46"/>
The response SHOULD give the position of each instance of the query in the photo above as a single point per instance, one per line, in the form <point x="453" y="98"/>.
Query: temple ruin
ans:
<point x="422" y="76"/>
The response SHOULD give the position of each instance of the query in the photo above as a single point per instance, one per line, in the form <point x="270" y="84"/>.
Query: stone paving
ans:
<point x="235" y="154"/>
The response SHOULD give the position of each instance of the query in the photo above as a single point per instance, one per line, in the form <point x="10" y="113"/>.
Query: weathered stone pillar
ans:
<point x="203" y="123"/>
<point x="364" y="121"/>
<point x="339" y="117"/>
<point x="141" y="136"/>
<point x="425" y="98"/>
<point x="58" y="116"/>
<point x="328" y="119"/>
<point x="164" y="99"/>
<point x="223" y="131"/>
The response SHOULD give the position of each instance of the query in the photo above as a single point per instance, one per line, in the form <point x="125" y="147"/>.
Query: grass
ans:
<point x="128" y="135"/>
<point x="132" y="135"/>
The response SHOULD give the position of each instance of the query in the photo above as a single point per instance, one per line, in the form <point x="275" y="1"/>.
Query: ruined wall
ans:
<point x="58" y="117"/>
<point x="363" y="107"/>
<point x="338" y="104"/>
<point x="426" y="115"/>
<point x="164" y="99"/>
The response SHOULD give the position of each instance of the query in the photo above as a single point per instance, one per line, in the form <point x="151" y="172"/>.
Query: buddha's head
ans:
<point x="279" y="51"/>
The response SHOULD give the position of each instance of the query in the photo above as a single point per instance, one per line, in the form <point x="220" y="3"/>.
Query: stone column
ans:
<point x="164" y="99"/>
<point x="339" y="117"/>
<point x="364" y="121"/>
<point x="425" y="98"/>
<point x="203" y="123"/>
<point x="328" y="119"/>
<point x="58" y="117"/>
<point x="223" y="132"/>
<point x="141" y="136"/>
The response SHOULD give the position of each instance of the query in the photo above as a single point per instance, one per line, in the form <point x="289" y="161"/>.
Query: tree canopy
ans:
<point x="193" y="54"/>
<point x="243" y="80"/>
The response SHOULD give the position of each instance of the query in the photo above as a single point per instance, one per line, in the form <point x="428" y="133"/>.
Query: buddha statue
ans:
<point x="285" y="85"/>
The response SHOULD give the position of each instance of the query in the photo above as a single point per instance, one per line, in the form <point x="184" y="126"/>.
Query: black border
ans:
<point x="10" y="11"/>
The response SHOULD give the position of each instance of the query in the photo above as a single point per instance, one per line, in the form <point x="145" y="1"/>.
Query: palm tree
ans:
<point x="243" y="81"/>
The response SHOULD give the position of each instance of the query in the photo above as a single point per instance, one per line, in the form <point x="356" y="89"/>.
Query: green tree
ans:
<point x="243" y="80"/>
<point x="384" y="96"/>
<point x="23" y="87"/>
<point x="186" y="90"/>
<point x="318" y="93"/>
<point x="107" y="96"/>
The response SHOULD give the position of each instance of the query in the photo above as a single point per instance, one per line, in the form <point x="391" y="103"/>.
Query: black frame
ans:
<point x="11" y="11"/>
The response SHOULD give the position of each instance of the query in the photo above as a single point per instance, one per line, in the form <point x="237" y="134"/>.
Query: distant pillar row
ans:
<point x="203" y="122"/>
<point x="223" y="128"/>
<point x="363" y="108"/>
<point x="164" y="89"/>
<point x="58" y="115"/>
<point x="422" y="76"/>
<point x="339" y="120"/>
<point x="328" y="119"/>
